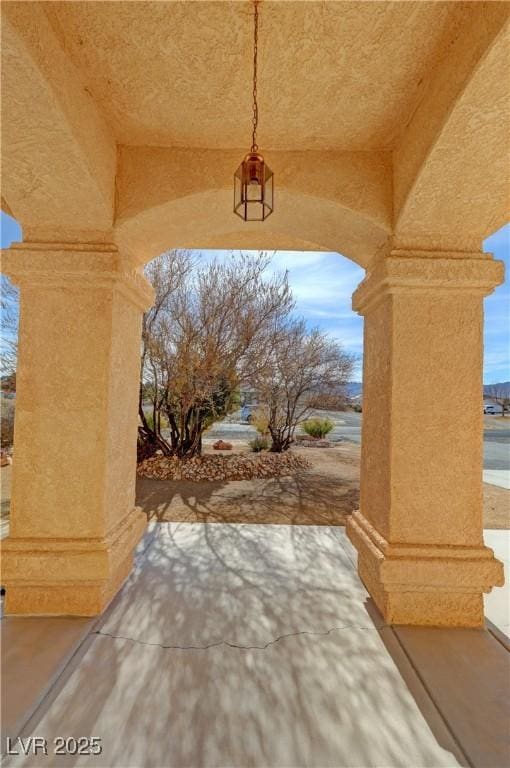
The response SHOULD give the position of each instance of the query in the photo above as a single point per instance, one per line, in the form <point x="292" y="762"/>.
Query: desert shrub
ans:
<point x="318" y="427"/>
<point x="7" y="421"/>
<point x="357" y="408"/>
<point x="259" y="443"/>
<point x="260" y="421"/>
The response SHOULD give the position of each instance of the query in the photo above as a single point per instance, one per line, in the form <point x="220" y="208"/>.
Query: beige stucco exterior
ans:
<point x="76" y="421"/>
<point x="122" y="126"/>
<point x="419" y="528"/>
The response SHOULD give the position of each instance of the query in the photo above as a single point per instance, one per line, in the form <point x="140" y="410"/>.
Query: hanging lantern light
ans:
<point x="253" y="180"/>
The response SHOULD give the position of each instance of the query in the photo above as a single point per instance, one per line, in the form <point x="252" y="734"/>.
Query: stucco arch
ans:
<point x="113" y="153"/>
<point x="58" y="155"/>
<point x="451" y="176"/>
<point x="206" y="220"/>
<point x="168" y="197"/>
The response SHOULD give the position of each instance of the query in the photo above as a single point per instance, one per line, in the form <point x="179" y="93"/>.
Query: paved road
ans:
<point x="496" y="443"/>
<point x="496" y="449"/>
<point x="347" y="427"/>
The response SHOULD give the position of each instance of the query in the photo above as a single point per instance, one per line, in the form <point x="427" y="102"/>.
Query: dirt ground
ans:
<point x="496" y="422"/>
<point x="496" y="507"/>
<point x="322" y="495"/>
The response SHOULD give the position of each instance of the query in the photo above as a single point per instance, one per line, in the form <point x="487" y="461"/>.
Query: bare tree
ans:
<point x="166" y="273"/>
<point x="208" y="331"/>
<point x="9" y="326"/>
<point x="8" y="357"/>
<point x="499" y="394"/>
<point x="300" y="369"/>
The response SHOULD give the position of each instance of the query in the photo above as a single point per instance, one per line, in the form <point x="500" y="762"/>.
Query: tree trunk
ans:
<point x="186" y="436"/>
<point x="148" y="441"/>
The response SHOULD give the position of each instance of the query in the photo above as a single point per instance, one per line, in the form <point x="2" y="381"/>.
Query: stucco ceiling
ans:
<point x="333" y="75"/>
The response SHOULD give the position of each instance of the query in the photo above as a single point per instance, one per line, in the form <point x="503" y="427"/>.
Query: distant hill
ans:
<point x="353" y="388"/>
<point x="502" y="389"/>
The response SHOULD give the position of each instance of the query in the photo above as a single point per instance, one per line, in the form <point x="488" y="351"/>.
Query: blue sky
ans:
<point x="323" y="283"/>
<point x="497" y="314"/>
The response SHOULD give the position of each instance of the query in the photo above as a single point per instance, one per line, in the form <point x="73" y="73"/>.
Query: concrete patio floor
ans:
<point x="254" y="645"/>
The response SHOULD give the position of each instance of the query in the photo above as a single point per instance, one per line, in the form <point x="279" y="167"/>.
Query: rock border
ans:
<point x="223" y="467"/>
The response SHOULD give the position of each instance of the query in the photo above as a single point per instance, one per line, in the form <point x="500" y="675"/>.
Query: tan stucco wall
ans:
<point x="457" y="159"/>
<point x="391" y="149"/>
<point x="73" y="518"/>
<point x="122" y="408"/>
<point x="462" y="55"/>
<point x="336" y="200"/>
<point x="72" y="98"/>
<point x="419" y="527"/>
<point x="332" y="76"/>
<point x="58" y="154"/>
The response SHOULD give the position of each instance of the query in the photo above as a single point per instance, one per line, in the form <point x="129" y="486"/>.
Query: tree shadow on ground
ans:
<point x="324" y="494"/>
<point x="304" y="499"/>
<point x="242" y="645"/>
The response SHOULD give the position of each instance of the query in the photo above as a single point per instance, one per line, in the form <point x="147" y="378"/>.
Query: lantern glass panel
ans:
<point x="253" y="201"/>
<point x="254" y="193"/>
<point x="268" y="191"/>
<point x="237" y="190"/>
<point x="254" y="211"/>
<point x="239" y="203"/>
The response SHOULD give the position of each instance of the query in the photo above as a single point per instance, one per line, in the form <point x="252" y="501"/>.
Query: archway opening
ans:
<point x="322" y="491"/>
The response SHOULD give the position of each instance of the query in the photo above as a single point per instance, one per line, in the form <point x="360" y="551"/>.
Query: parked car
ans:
<point x="489" y="409"/>
<point x="247" y="412"/>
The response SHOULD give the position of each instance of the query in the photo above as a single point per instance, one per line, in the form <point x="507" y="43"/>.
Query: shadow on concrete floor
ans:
<point x="258" y="646"/>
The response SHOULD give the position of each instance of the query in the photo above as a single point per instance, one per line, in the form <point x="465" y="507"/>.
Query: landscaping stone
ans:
<point x="307" y="441"/>
<point x="5" y="459"/>
<point x="235" y="467"/>
<point x="221" y="445"/>
<point x="315" y="443"/>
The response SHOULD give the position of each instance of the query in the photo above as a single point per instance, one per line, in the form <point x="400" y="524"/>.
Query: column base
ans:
<point x="425" y="585"/>
<point x="68" y="577"/>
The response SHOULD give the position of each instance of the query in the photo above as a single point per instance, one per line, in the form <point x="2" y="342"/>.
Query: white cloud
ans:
<point x="323" y="283"/>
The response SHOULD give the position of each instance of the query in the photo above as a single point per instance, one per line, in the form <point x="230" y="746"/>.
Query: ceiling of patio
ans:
<point x="333" y="75"/>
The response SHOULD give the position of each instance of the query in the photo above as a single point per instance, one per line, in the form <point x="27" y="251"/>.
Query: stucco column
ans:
<point x="73" y="523"/>
<point x="419" y="530"/>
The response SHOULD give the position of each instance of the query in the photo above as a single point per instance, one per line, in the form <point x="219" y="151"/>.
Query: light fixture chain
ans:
<point x="253" y="180"/>
<point x="255" y="120"/>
